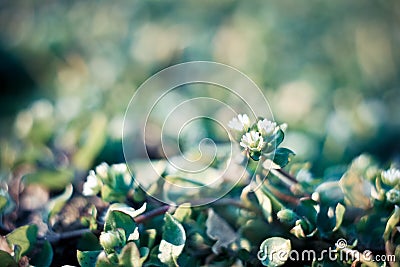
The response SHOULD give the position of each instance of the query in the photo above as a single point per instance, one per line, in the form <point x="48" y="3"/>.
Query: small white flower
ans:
<point x="267" y="127"/>
<point x="122" y="169"/>
<point x="102" y="170"/>
<point x="393" y="195"/>
<point x="240" y="123"/>
<point x="119" y="168"/>
<point x="92" y="186"/>
<point x="252" y="141"/>
<point x="391" y="177"/>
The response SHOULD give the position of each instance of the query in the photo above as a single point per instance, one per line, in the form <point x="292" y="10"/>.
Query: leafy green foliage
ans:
<point x="283" y="207"/>
<point x="118" y="240"/>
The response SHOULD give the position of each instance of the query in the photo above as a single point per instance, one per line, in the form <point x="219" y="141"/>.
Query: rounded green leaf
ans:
<point x="87" y="258"/>
<point x="24" y="237"/>
<point x="7" y="260"/>
<point x="130" y="256"/>
<point x="173" y="241"/>
<point x="44" y="257"/>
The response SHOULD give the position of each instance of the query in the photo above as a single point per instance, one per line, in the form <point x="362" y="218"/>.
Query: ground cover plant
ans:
<point x="278" y="207"/>
<point x="319" y="173"/>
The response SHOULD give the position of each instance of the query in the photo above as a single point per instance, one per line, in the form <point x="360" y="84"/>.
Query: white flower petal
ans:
<point x="391" y="177"/>
<point x="267" y="127"/>
<point x="252" y="141"/>
<point x="240" y="123"/>
<point x="102" y="170"/>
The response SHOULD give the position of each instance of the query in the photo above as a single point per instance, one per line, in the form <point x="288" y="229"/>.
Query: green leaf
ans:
<point x="55" y="205"/>
<point x="339" y="213"/>
<point x="218" y="229"/>
<point x="283" y="156"/>
<point x="128" y="210"/>
<point x="287" y="216"/>
<point x="104" y="260"/>
<point x="44" y="257"/>
<point x="144" y="254"/>
<point x="96" y="138"/>
<point x="87" y="258"/>
<point x="88" y="241"/>
<point x="308" y="208"/>
<point x="183" y="212"/>
<point x="356" y="189"/>
<point x="251" y="230"/>
<point x="121" y="216"/>
<point x="153" y="258"/>
<point x="173" y="241"/>
<point x="108" y="194"/>
<point x="51" y="179"/>
<point x="7" y="260"/>
<point x="189" y="260"/>
<point x="279" y="137"/>
<point x="90" y="220"/>
<point x="148" y="238"/>
<point x="3" y="203"/>
<point x="112" y="240"/>
<point x="24" y="237"/>
<point x="329" y="193"/>
<point x="7" y="204"/>
<point x="391" y="223"/>
<point x="130" y="256"/>
<point x="274" y="251"/>
<point x="325" y="220"/>
<point x="298" y="230"/>
<point x="117" y="219"/>
<point x="265" y="203"/>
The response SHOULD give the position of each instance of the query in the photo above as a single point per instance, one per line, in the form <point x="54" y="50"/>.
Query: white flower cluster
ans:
<point x="391" y="177"/>
<point x="96" y="179"/>
<point x="93" y="185"/>
<point x="255" y="138"/>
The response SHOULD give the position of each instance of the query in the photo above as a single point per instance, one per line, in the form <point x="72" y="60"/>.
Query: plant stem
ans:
<point x="287" y="175"/>
<point x="56" y="237"/>
<point x="282" y="196"/>
<point x="151" y="214"/>
<point x="223" y="202"/>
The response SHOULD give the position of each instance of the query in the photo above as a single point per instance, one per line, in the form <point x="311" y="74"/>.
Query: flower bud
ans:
<point x="112" y="239"/>
<point x="393" y="196"/>
<point x="287" y="216"/>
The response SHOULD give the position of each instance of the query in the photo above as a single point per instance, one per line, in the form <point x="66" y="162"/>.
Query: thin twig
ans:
<point x="282" y="196"/>
<point x="223" y="202"/>
<point x="57" y="237"/>
<point x="151" y="214"/>
<point x="287" y="175"/>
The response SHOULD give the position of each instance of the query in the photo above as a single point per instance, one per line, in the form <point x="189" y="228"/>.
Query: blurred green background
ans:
<point x="330" y="69"/>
